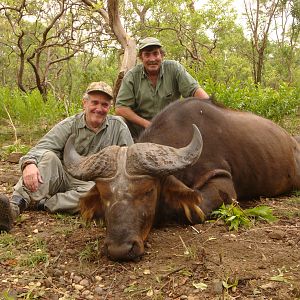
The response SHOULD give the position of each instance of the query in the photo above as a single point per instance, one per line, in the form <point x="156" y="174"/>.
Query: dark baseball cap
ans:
<point x="149" y="41"/>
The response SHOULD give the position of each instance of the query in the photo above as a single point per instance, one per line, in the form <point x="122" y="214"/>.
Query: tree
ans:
<point x="44" y="35"/>
<point x="260" y="14"/>
<point x="128" y="44"/>
<point x="287" y="26"/>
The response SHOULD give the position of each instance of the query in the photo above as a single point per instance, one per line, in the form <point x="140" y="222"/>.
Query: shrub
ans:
<point x="264" y="101"/>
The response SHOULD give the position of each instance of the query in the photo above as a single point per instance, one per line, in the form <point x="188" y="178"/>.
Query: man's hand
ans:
<point x="201" y="94"/>
<point x="146" y="123"/>
<point x="32" y="177"/>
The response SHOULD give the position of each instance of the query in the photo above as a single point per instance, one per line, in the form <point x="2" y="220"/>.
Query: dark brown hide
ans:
<point x="244" y="156"/>
<point x="127" y="188"/>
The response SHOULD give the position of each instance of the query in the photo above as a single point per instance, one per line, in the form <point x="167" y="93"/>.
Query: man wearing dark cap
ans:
<point x="44" y="181"/>
<point x="149" y="87"/>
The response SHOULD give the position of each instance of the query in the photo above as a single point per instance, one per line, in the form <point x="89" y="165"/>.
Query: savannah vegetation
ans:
<point x="51" y="50"/>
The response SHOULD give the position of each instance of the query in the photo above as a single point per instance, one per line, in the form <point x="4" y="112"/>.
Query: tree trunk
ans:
<point x="127" y="43"/>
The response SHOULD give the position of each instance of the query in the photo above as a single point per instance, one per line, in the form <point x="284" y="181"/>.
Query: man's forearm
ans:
<point x="131" y="116"/>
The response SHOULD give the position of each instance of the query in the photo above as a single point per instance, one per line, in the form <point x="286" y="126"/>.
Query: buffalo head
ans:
<point x="128" y="185"/>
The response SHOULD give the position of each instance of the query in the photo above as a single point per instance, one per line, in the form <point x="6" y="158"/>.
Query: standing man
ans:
<point x="149" y="87"/>
<point x="44" y="180"/>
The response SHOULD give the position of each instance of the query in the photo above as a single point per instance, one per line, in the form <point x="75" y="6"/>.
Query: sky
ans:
<point x="239" y="6"/>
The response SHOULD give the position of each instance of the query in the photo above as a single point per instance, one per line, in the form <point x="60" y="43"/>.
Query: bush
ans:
<point x="29" y="114"/>
<point x="264" y="101"/>
<point x="30" y="109"/>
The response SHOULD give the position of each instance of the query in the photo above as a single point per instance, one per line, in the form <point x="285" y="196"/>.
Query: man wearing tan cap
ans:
<point x="149" y="87"/>
<point x="44" y="181"/>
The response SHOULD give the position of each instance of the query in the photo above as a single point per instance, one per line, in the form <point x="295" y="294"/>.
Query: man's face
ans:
<point x="151" y="59"/>
<point x="96" y="109"/>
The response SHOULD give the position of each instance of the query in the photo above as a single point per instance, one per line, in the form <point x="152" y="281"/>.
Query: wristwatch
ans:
<point x="28" y="162"/>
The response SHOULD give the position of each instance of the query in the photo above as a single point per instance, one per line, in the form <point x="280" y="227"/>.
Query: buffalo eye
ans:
<point x="149" y="192"/>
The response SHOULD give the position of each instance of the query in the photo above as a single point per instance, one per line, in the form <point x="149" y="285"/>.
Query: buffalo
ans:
<point x="176" y="172"/>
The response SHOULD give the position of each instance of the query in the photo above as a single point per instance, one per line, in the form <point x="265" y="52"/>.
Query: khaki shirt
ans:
<point x="112" y="132"/>
<point x="137" y="92"/>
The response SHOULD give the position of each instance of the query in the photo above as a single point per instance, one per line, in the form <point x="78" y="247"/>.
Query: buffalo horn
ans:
<point x="154" y="159"/>
<point x="102" y="164"/>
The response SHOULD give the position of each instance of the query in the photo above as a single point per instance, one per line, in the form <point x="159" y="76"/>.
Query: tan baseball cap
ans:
<point x="100" y="86"/>
<point x="149" y="41"/>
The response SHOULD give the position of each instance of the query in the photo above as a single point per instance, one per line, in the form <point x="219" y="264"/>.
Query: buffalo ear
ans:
<point x="179" y="197"/>
<point x="91" y="206"/>
<point x="175" y="192"/>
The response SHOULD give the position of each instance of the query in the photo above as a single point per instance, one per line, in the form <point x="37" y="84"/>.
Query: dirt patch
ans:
<point x="58" y="257"/>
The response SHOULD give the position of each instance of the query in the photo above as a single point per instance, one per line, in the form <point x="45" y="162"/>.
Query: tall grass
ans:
<point x="264" y="101"/>
<point x="30" y="109"/>
<point x="30" y="114"/>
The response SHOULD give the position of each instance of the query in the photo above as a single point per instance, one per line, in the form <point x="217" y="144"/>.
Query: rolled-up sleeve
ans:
<point x="54" y="140"/>
<point x="187" y="85"/>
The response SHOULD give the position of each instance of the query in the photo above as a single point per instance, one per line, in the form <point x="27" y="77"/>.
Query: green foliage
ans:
<point x="230" y="283"/>
<point x="16" y="147"/>
<point x="235" y="217"/>
<point x="7" y="239"/>
<point x="30" y="114"/>
<point x="296" y="193"/>
<point x="30" y="109"/>
<point x="266" y="102"/>
<point x="90" y="251"/>
<point x="232" y="216"/>
<point x="7" y="243"/>
<point x="261" y="213"/>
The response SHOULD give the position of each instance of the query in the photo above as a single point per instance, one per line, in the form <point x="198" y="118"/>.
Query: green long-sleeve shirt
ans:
<point x="112" y="132"/>
<point x="137" y="92"/>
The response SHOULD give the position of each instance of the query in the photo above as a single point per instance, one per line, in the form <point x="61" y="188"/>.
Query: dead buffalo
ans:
<point x="243" y="156"/>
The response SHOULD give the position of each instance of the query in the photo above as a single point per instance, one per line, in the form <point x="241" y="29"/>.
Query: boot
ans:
<point x="6" y="215"/>
<point x="9" y="211"/>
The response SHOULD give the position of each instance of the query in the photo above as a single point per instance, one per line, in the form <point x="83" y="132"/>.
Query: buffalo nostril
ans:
<point x="129" y="250"/>
<point x="136" y="250"/>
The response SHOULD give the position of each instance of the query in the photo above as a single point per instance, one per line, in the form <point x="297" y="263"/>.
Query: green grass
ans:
<point x="36" y="251"/>
<point x="7" y="240"/>
<point x="37" y="254"/>
<point x="8" y="244"/>
<point x="5" y="295"/>
<point x="90" y="252"/>
<point x="32" y="117"/>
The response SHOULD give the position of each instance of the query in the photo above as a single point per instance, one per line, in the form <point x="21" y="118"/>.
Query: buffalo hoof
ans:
<point x="6" y="217"/>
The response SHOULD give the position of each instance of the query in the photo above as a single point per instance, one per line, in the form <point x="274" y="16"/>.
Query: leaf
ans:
<point x="200" y="286"/>
<point x="262" y="211"/>
<point x="131" y="288"/>
<point x="232" y="286"/>
<point x="231" y="218"/>
<point x="279" y="278"/>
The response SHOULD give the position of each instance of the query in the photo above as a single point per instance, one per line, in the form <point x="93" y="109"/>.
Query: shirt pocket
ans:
<point x="168" y="98"/>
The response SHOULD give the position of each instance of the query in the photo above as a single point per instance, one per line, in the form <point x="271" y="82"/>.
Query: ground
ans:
<point x="55" y="256"/>
<point x="59" y="257"/>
